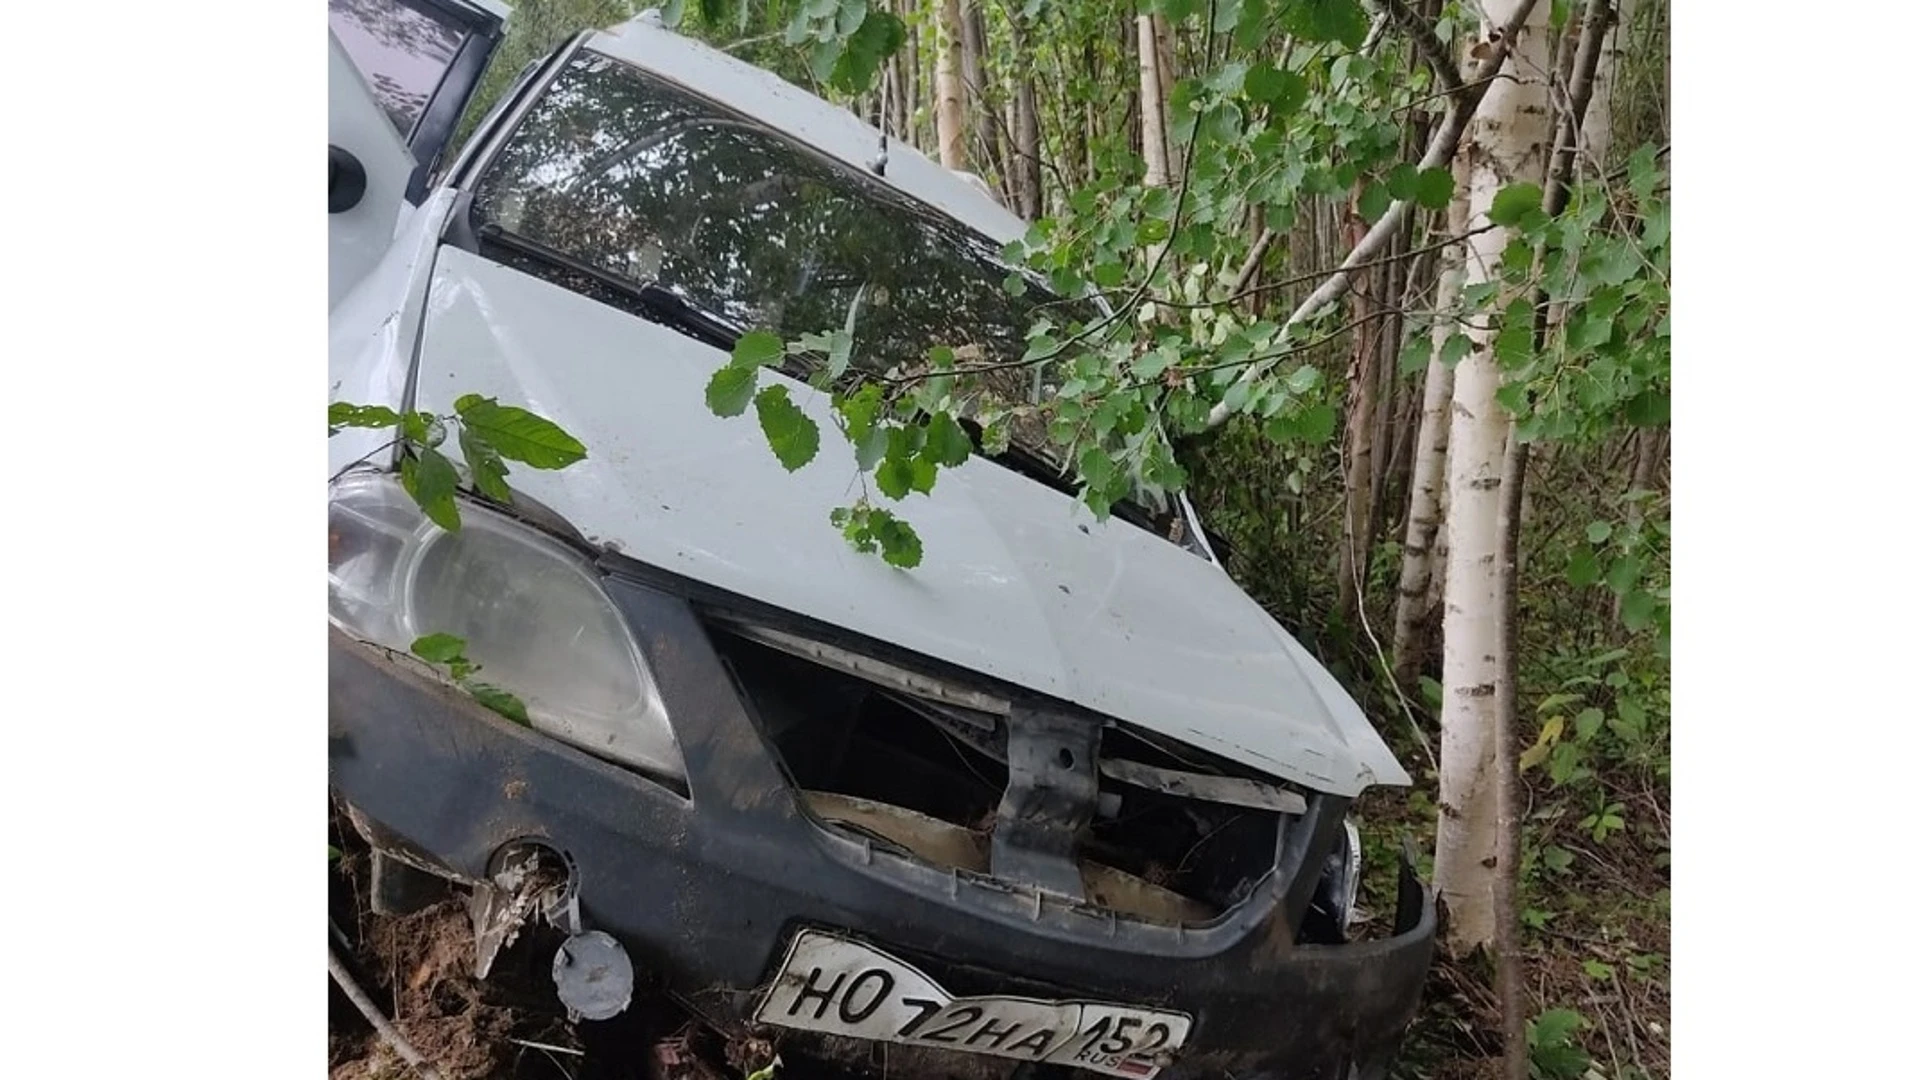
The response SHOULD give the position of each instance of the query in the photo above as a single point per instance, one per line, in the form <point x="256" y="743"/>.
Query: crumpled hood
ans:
<point x="1018" y="582"/>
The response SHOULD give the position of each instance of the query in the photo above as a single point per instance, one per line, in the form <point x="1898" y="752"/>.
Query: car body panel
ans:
<point x="710" y="890"/>
<point x="1019" y="582"/>
<point x="396" y="163"/>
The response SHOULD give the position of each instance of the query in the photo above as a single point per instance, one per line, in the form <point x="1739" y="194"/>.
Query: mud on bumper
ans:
<point x="707" y="887"/>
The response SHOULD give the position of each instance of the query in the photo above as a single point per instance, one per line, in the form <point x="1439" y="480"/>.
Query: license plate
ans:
<point x="842" y="987"/>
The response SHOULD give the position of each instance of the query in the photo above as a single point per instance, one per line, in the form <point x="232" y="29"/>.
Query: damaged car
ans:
<point x="1063" y="800"/>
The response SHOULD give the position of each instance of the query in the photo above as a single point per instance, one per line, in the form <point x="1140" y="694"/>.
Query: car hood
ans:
<point x="1019" y="582"/>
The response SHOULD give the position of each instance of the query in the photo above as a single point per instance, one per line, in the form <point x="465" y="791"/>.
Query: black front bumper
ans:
<point x="706" y="889"/>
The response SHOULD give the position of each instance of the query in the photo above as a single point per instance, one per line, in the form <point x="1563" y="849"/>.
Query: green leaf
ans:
<point x="730" y="389"/>
<point x="1649" y="409"/>
<point x="1514" y="202"/>
<point x="343" y="414"/>
<point x="759" y="348"/>
<point x="792" y="434"/>
<point x="1625" y="573"/>
<point x="1326" y="20"/>
<point x="1303" y="378"/>
<point x="947" y="441"/>
<point x="894" y="476"/>
<point x="1014" y="285"/>
<point x="1403" y="182"/>
<point x="1598" y="531"/>
<point x="1283" y="91"/>
<point x="1583" y="569"/>
<point x="878" y="37"/>
<point x="519" y="435"/>
<point x="483" y="462"/>
<point x="1157" y="202"/>
<point x="1514" y="345"/>
<point x="899" y="544"/>
<point x="859" y="410"/>
<point x="422" y="429"/>
<point x="1317" y="424"/>
<point x="1374" y="202"/>
<point x="1637" y="609"/>
<point x="1455" y="348"/>
<point x="1434" y="189"/>
<point x="430" y="478"/>
<point x="1228" y="79"/>
<point x="439" y="648"/>
<point x="500" y="701"/>
<point x="1554" y="1027"/>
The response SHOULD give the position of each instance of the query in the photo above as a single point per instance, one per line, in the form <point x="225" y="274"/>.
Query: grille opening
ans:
<point x="926" y="779"/>
<point x="1210" y="851"/>
<point x="839" y="734"/>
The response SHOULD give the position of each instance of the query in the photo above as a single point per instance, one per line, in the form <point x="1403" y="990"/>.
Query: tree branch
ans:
<point x="1440" y="151"/>
<point x="1428" y="42"/>
<point x="380" y="1023"/>
<point x="1347" y="266"/>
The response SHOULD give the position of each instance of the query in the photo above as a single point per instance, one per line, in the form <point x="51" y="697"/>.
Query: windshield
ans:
<point x="631" y="177"/>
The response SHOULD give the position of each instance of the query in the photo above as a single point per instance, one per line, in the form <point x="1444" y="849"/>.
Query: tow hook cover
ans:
<point x="594" y="976"/>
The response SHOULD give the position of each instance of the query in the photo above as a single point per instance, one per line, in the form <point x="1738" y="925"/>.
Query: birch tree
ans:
<point x="950" y="101"/>
<point x="1413" y="607"/>
<point x="1506" y="144"/>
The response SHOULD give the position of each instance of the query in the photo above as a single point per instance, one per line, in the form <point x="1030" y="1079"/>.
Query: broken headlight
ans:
<point x="532" y="613"/>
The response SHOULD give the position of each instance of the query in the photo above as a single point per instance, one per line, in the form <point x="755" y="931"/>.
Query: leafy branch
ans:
<point x="450" y="652"/>
<point x="490" y="434"/>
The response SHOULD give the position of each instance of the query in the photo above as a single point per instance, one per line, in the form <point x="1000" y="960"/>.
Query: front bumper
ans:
<point x="706" y="889"/>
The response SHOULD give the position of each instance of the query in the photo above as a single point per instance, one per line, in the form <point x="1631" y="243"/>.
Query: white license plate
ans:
<point x="843" y="987"/>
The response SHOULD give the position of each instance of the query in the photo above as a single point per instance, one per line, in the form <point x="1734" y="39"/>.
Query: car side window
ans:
<point x="403" y="47"/>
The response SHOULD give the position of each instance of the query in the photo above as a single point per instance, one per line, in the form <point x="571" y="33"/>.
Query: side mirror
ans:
<point x="346" y="180"/>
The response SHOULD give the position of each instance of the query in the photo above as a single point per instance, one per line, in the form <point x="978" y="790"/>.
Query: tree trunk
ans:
<point x="1414" y="607"/>
<point x="1508" y="143"/>
<point x="949" y="115"/>
<point x="1356" y="531"/>
<point x="1153" y="114"/>
<point x="1596" y="127"/>
<point x="910" y="75"/>
<point x="1026" y="126"/>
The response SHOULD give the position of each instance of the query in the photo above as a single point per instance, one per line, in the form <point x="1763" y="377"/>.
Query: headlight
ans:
<point x="533" y="615"/>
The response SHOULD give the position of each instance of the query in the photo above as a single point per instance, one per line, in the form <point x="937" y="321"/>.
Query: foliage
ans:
<point x="1555" y="1053"/>
<point x="490" y="435"/>
<point x="450" y="652"/>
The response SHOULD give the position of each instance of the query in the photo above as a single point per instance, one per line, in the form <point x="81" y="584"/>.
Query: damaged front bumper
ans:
<point x="711" y="888"/>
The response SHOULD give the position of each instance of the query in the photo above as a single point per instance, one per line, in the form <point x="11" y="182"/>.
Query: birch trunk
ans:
<point x="1596" y="127"/>
<point x="1414" y="606"/>
<point x="1508" y="143"/>
<point x="1153" y="113"/>
<point x="950" y="108"/>
<point x="909" y="57"/>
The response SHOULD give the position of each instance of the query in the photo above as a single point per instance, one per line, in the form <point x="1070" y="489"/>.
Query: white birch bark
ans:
<point x="1153" y="112"/>
<point x="1509" y="140"/>
<point x="1412" y="607"/>
<point x="949" y="106"/>
<point x="1596" y="128"/>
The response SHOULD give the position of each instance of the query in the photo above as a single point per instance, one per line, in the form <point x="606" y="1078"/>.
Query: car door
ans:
<point x="400" y="74"/>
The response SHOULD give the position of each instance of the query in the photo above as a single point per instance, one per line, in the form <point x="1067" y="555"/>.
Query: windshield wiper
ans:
<point x="651" y="301"/>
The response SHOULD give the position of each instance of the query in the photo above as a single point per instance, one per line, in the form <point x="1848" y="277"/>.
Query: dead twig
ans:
<point x="388" y="1033"/>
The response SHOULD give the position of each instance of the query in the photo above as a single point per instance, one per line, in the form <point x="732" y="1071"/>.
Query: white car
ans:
<point x="1060" y="798"/>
